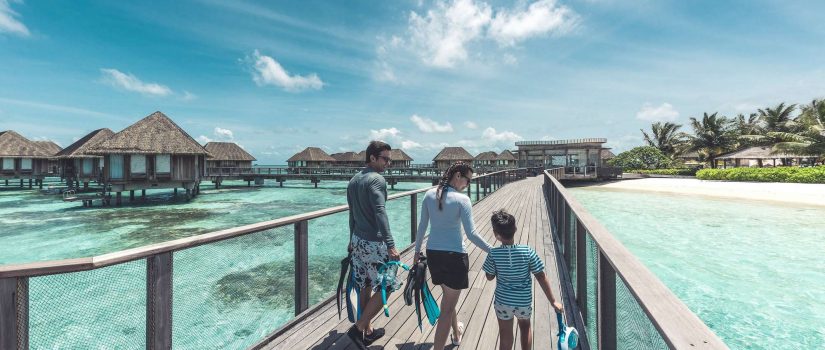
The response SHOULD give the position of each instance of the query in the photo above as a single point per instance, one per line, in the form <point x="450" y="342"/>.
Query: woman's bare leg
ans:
<point x="445" y="320"/>
<point x="505" y="334"/>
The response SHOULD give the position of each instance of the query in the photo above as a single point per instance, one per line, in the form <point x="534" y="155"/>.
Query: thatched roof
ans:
<point x="13" y="144"/>
<point x="398" y="155"/>
<point x="49" y="147"/>
<point x="154" y="134"/>
<point x="758" y="152"/>
<point x="607" y="154"/>
<point x="227" y="151"/>
<point x="347" y="157"/>
<point x="693" y="154"/>
<point x="78" y="148"/>
<point x="453" y="153"/>
<point x="506" y="155"/>
<point x="311" y="154"/>
<point x="490" y="155"/>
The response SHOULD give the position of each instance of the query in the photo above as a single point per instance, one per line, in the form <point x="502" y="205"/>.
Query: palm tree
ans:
<point x="748" y="129"/>
<point x="666" y="137"/>
<point x="712" y="136"/>
<point x="809" y="138"/>
<point x="777" y="119"/>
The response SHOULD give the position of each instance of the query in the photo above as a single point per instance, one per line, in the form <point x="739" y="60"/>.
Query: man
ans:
<point x="371" y="242"/>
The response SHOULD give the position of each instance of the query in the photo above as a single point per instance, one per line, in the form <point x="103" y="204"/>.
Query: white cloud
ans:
<point x="188" y="96"/>
<point x="130" y="82"/>
<point x="224" y="133"/>
<point x="410" y="144"/>
<point x="509" y="27"/>
<point x="470" y="125"/>
<point x="204" y="139"/>
<point x="429" y="126"/>
<point x="510" y="59"/>
<point x="267" y="71"/>
<point x="8" y="21"/>
<point x="664" y="112"/>
<point x="440" y="36"/>
<point x="504" y="136"/>
<point x="384" y="134"/>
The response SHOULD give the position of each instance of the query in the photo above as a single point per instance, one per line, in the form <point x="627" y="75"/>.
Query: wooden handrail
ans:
<point x="679" y="327"/>
<point x="91" y="263"/>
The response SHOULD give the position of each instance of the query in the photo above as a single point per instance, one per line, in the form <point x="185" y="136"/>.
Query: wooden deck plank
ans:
<point x="525" y="200"/>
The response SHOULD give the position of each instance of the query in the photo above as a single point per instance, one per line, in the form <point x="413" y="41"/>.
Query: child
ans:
<point x="513" y="264"/>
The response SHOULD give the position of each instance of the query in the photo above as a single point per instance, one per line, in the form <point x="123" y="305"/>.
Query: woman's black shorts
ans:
<point x="449" y="268"/>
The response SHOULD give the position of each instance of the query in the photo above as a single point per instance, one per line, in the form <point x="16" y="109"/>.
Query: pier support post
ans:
<point x="7" y="182"/>
<point x="40" y="184"/>
<point x="132" y="196"/>
<point x="117" y="199"/>
<point x="143" y="195"/>
<point x="413" y="220"/>
<point x="301" y="266"/>
<point x="607" y="304"/>
<point x="159" y="301"/>
<point x="175" y="192"/>
<point x="30" y="183"/>
<point x="85" y="185"/>
<point x="21" y="183"/>
<point x="188" y="194"/>
<point x="14" y="313"/>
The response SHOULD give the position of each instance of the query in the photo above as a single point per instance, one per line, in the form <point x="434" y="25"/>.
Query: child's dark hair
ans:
<point x="504" y="224"/>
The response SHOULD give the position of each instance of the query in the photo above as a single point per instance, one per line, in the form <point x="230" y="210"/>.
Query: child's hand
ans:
<point x="558" y="307"/>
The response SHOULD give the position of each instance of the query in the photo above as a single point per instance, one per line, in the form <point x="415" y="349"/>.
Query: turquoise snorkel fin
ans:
<point x="389" y="283"/>
<point x="345" y="291"/>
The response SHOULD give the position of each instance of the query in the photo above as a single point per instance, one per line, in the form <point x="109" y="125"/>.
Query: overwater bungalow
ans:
<point x="310" y="157"/>
<point x="52" y="149"/>
<point x="76" y="165"/>
<point x="400" y="159"/>
<point x="759" y="156"/>
<point x="485" y="159"/>
<point x="227" y="158"/>
<point x="348" y="159"/>
<point x="506" y="159"/>
<point x="21" y="158"/>
<point x="150" y="154"/>
<point x="450" y="155"/>
<point x="580" y="158"/>
<point x="690" y="158"/>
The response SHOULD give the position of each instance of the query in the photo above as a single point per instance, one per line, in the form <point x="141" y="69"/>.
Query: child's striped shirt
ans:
<point x="513" y="266"/>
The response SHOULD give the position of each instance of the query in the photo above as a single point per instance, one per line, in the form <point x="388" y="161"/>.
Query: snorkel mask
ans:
<point x="389" y="283"/>
<point x="568" y="336"/>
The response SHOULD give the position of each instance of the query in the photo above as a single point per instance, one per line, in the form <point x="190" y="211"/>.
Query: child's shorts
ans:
<point x="506" y="312"/>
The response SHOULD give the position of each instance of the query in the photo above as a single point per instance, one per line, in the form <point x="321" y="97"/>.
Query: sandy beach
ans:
<point x="806" y="194"/>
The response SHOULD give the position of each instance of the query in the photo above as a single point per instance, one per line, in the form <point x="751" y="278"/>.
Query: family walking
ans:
<point x="445" y="211"/>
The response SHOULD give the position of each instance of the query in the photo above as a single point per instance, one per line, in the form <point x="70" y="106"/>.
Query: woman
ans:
<point x="446" y="208"/>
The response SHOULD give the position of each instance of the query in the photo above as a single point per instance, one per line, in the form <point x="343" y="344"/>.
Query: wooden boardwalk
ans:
<point x="525" y="200"/>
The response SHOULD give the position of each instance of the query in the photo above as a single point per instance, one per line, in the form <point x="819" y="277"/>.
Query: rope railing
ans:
<point x="158" y="262"/>
<point x="592" y="254"/>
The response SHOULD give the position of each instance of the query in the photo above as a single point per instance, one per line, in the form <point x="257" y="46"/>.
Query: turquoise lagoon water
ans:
<point x="753" y="271"/>
<point x="226" y="295"/>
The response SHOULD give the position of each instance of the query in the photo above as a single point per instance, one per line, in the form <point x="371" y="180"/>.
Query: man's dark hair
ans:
<point x="375" y="148"/>
<point x="504" y="224"/>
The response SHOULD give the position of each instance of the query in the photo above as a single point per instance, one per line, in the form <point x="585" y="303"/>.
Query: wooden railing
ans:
<point x="14" y="279"/>
<point x="678" y="327"/>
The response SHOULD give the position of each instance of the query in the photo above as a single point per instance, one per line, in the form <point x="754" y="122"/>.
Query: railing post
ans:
<point x="413" y="216"/>
<point x="159" y="301"/>
<point x="301" y="266"/>
<point x="14" y="313"/>
<point x="477" y="189"/>
<point x="581" y="268"/>
<point x="607" y="304"/>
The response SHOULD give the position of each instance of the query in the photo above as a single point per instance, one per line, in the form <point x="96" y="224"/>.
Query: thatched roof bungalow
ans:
<point x="506" y="159"/>
<point x="152" y="153"/>
<point x="227" y="156"/>
<point x="400" y="159"/>
<point x="21" y="158"/>
<point x="485" y="159"/>
<point x="758" y="156"/>
<point x="310" y="157"/>
<point x="52" y="149"/>
<point x="78" y="166"/>
<point x="348" y="159"/>
<point x="450" y="155"/>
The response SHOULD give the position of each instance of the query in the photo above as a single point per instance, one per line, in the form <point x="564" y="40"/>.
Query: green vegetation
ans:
<point x="669" y="171"/>
<point x="778" y="174"/>
<point x="645" y="157"/>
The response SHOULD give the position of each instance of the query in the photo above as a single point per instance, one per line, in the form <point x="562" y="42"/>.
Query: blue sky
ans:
<point x="276" y="77"/>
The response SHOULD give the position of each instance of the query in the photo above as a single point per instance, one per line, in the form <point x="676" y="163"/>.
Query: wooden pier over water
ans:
<point x="609" y="296"/>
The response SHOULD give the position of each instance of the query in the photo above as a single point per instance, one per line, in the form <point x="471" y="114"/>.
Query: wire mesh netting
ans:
<point x="571" y="234"/>
<point x="99" y="309"/>
<point x="592" y="291"/>
<point x="634" y="329"/>
<point x="232" y="293"/>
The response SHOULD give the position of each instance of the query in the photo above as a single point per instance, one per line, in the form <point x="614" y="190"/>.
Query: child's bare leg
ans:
<point x="526" y="333"/>
<point x="505" y="334"/>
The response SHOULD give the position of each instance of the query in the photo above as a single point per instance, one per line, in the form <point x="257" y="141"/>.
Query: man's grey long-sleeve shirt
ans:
<point x="366" y="197"/>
